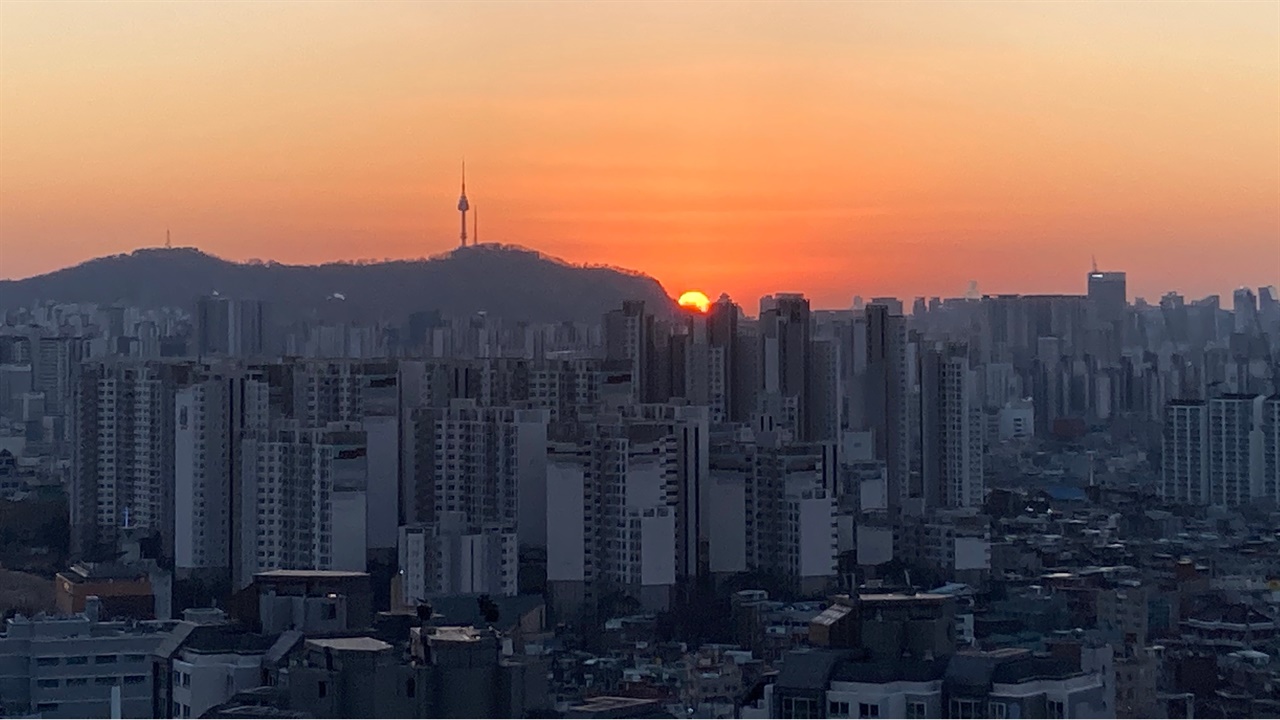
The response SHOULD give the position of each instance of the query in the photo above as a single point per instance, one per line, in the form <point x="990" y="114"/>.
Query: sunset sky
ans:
<point x="832" y="148"/>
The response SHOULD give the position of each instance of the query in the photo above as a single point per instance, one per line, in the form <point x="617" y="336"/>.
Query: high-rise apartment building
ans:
<point x="951" y="429"/>
<point x="785" y="351"/>
<point x="1234" y="432"/>
<point x="1220" y="451"/>
<point x="123" y="458"/>
<point x="479" y="484"/>
<point x="629" y="338"/>
<point x="625" y="506"/>
<point x="308" y="490"/>
<point x="881" y="385"/>
<point x="453" y="557"/>
<point x="207" y="426"/>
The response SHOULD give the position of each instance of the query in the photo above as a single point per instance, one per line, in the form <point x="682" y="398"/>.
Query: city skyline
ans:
<point x="887" y="152"/>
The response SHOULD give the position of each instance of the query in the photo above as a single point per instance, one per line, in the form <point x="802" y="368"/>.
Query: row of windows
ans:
<point x="53" y="660"/>
<point x="103" y="680"/>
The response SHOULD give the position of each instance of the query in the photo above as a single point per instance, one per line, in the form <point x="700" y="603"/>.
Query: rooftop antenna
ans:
<point x="1094" y="258"/>
<point x="168" y="243"/>
<point x="475" y="226"/>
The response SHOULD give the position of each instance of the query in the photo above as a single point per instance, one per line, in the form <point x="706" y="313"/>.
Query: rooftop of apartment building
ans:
<point x="83" y="572"/>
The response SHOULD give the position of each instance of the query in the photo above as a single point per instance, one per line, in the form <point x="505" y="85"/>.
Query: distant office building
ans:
<point x="230" y="327"/>
<point x="1245" y="309"/>
<point x="1108" y="294"/>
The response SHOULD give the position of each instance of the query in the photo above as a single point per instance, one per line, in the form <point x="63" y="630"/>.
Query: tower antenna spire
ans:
<point x="168" y="243"/>
<point x="475" y="226"/>
<point x="463" y="206"/>
<point x="1094" y="258"/>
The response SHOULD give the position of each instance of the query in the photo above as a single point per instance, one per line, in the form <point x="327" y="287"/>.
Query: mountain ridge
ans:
<point x="508" y="281"/>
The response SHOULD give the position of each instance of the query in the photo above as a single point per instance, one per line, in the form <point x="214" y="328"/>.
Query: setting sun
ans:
<point x="695" y="300"/>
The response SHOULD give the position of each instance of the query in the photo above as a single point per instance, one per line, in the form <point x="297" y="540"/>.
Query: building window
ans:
<point x="47" y="683"/>
<point x="77" y="682"/>
<point x="868" y="710"/>
<point x="104" y="659"/>
<point x="46" y="706"/>
<point x="411" y="688"/>
<point x="799" y="708"/>
<point x="78" y="660"/>
<point x="916" y="711"/>
<point x="104" y="680"/>
<point x="322" y="689"/>
<point x="966" y="709"/>
<point x="134" y="679"/>
<point x="46" y="661"/>
<point x="997" y="710"/>
<point x="135" y="658"/>
<point x="838" y="709"/>
<point x="1056" y="709"/>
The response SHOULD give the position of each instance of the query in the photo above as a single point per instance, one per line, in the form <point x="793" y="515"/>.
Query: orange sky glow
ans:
<point x="830" y="148"/>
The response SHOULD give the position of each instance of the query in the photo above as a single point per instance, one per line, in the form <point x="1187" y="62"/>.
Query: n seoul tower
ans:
<point x="463" y="206"/>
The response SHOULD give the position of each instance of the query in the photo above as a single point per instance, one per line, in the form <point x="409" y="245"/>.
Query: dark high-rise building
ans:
<point x="785" y="350"/>
<point x="1108" y="294"/>
<point x="230" y="327"/>
<point x="629" y="338"/>
<point x="723" y="339"/>
<point x="951" y="429"/>
<point x="884" y="394"/>
<point x="1174" y="310"/>
<point x="1108" y="306"/>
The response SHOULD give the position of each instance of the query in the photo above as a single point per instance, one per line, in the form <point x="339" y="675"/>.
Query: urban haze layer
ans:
<point x="297" y="497"/>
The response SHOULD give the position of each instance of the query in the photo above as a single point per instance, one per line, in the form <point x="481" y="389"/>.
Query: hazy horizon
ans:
<point x="832" y="149"/>
<point x="748" y="304"/>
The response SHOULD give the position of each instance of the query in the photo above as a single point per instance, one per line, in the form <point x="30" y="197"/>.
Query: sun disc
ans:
<point x="695" y="300"/>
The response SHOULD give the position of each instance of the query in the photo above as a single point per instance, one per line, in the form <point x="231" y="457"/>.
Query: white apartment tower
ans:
<point x="480" y="483"/>
<point x="1235" y="441"/>
<point x="206" y="442"/>
<point x="624" y="506"/>
<point x="1271" y="447"/>
<point x="308" y="488"/>
<point x="1221" y="451"/>
<point x="123" y="457"/>
<point x="446" y="558"/>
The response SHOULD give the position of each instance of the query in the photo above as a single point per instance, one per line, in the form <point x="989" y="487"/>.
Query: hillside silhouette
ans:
<point x="510" y="282"/>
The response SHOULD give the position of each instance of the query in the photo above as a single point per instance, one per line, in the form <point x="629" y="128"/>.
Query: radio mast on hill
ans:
<point x="463" y="206"/>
